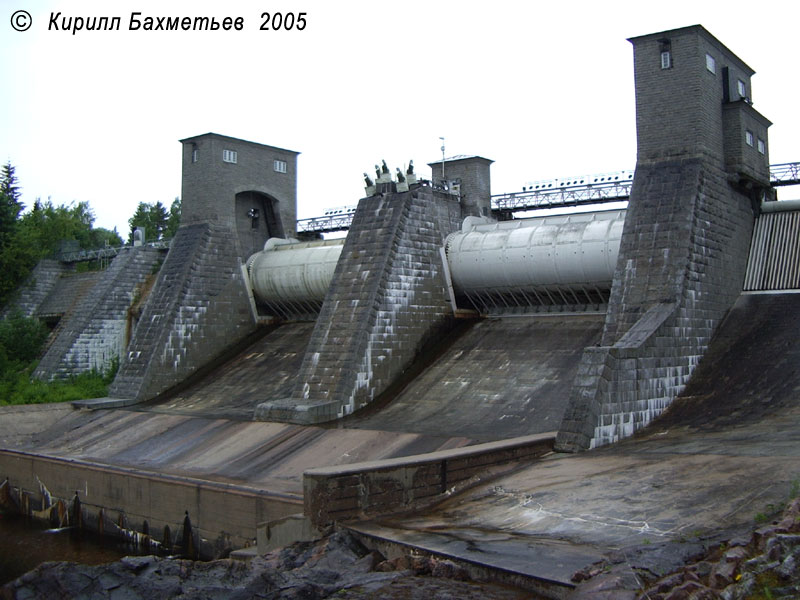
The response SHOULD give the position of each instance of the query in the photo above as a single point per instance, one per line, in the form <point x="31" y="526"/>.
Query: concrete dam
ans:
<point x="266" y="372"/>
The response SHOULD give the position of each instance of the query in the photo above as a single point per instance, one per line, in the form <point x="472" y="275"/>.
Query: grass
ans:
<point x="24" y="390"/>
<point x="18" y="387"/>
<point x="21" y="342"/>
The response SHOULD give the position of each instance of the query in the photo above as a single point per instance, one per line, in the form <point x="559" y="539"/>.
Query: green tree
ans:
<point x="15" y="261"/>
<point x="10" y="204"/>
<point x="153" y="217"/>
<point x="46" y="226"/>
<point x="174" y="220"/>
<point x="101" y="237"/>
<point x="21" y="337"/>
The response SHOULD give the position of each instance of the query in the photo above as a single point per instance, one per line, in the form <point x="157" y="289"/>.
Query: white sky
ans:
<point x="545" y="89"/>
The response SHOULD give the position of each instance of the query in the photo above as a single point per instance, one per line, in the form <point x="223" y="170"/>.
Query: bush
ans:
<point x="21" y="341"/>
<point x="21" y="338"/>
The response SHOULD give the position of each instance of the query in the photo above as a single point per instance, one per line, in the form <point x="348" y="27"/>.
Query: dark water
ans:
<point x="24" y="544"/>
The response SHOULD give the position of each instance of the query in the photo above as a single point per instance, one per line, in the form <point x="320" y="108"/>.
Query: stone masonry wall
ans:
<point x="38" y="286"/>
<point x="681" y="267"/>
<point x="97" y="331"/>
<point x="198" y="308"/>
<point x="387" y="298"/>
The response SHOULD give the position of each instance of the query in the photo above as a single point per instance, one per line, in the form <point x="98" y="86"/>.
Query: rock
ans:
<point x="741" y="589"/>
<point x="668" y="583"/>
<point x="449" y="570"/>
<point x="778" y="546"/>
<point x="703" y="569"/>
<point x="691" y="590"/>
<point x="736" y="554"/>
<point x="137" y="563"/>
<point x="368" y="562"/>
<point x="790" y="568"/>
<point x="762" y="534"/>
<point x="722" y="574"/>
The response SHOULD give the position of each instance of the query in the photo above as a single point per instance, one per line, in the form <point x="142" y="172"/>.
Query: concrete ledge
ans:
<point x="357" y="490"/>
<point x="104" y="403"/>
<point x="288" y="411"/>
<point x="505" y="560"/>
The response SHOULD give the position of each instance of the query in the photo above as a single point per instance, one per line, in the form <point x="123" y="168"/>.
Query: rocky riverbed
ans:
<point x="765" y="565"/>
<point x="336" y="567"/>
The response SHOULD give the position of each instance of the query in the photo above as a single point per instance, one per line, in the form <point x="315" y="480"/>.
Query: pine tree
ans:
<point x="10" y="204"/>
<point x="174" y="220"/>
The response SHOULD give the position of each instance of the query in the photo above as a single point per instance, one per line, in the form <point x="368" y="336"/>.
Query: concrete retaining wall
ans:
<point x="353" y="491"/>
<point x="224" y="516"/>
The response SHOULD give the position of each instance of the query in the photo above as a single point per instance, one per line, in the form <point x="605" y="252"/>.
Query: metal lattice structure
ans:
<point x="575" y="191"/>
<point x="784" y="174"/>
<point x="104" y="253"/>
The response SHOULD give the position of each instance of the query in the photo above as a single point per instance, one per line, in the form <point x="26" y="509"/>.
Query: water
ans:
<point x="25" y="543"/>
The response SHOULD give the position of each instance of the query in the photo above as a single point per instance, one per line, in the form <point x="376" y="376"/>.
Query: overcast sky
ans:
<point x="545" y="89"/>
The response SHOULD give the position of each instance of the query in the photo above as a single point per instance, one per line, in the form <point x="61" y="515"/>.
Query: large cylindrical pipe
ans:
<point x="300" y="272"/>
<point x="566" y="251"/>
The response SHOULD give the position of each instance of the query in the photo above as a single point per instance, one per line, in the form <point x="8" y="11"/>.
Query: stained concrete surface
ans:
<point x="265" y="369"/>
<point x="701" y="473"/>
<point x="503" y="378"/>
<point x="271" y="456"/>
<point x="697" y="475"/>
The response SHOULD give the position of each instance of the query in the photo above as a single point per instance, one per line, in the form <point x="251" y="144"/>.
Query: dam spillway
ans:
<point x="420" y="332"/>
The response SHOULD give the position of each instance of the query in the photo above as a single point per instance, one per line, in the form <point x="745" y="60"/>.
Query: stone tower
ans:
<point x="247" y="187"/>
<point x="702" y="169"/>
<point x="471" y="177"/>
<point x="236" y="194"/>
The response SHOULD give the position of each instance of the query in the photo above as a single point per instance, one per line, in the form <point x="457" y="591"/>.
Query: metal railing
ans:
<point x="592" y="193"/>
<point x="574" y="191"/>
<point x="105" y="253"/>
<point x="784" y="174"/>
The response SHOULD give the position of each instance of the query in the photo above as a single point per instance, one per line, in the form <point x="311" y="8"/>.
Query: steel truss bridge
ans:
<point x="555" y="193"/>
<point x="104" y="254"/>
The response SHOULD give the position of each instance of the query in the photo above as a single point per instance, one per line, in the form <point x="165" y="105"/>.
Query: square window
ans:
<point x="762" y="146"/>
<point x="711" y="64"/>
<point x="748" y="137"/>
<point x="666" y="60"/>
<point x="229" y="156"/>
<point x="741" y="88"/>
<point x="279" y="166"/>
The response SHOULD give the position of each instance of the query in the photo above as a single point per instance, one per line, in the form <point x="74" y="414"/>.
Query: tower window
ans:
<point x="741" y="88"/>
<point x="194" y="155"/>
<point x="762" y="146"/>
<point x="711" y="63"/>
<point x="748" y="137"/>
<point x="665" y="48"/>
<point x="279" y="166"/>
<point x="229" y="156"/>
